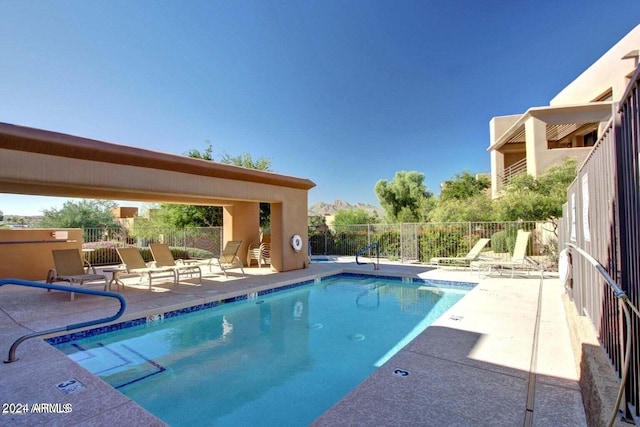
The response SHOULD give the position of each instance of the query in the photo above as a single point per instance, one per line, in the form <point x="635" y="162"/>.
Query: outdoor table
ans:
<point x="115" y="276"/>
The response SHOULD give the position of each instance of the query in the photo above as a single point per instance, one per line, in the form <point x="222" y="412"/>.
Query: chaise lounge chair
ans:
<point x="519" y="260"/>
<point x="229" y="257"/>
<point x="133" y="263"/>
<point x="462" y="261"/>
<point x="69" y="267"/>
<point x="164" y="259"/>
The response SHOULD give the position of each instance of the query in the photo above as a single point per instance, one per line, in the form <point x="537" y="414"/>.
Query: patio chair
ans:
<point x="519" y="260"/>
<point x="462" y="261"/>
<point x="133" y="263"/>
<point x="260" y="252"/>
<point x="164" y="259"/>
<point x="69" y="267"/>
<point x="229" y="257"/>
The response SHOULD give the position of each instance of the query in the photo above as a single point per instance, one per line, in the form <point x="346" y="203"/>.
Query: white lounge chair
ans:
<point x="464" y="260"/>
<point x="229" y="257"/>
<point x="164" y="259"/>
<point x="518" y="261"/>
<point x="69" y="267"/>
<point x="133" y="263"/>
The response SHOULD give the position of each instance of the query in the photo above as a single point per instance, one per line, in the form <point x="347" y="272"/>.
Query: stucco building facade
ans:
<point x="570" y="125"/>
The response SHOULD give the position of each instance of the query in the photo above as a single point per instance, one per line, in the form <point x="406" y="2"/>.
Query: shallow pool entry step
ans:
<point x="119" y="364"/>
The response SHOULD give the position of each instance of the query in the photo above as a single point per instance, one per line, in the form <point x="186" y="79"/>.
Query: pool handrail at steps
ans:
<point x="20" y="282"/>
<point x="624" y="318"/>
<point x="376" y="264"/>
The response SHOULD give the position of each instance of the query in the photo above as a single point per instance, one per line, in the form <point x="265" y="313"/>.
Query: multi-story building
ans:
<point x="570" y="125"/>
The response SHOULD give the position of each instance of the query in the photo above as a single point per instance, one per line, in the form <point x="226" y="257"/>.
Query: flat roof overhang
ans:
<point x="561" y="121"/>
<point x="31" y="142"/>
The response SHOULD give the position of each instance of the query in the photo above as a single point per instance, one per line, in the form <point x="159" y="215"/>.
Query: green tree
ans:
<point x="206" y="154"/>
<point x="464" y="186"/>
<point x="188" y="215"/>
<point x="463" y="198"/>
<point x="1" y="216"/>
<point x="533" y="199"/>
<point x="474" y="208"/>
<point x="246" y="161"/>
<point x="347" y="217"/>
<point x="405" y="198"/>
<point x="82" y="214"/>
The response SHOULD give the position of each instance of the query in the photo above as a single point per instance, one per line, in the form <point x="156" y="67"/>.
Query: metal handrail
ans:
<point x="19" y="282"/>
<point x="626" y="305"/>
<point x="509" y="172"/>
<point x="376" y="265"/>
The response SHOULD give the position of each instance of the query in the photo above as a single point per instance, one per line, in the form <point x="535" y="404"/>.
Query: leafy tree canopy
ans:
<point x="404" y="199"/>
<point x="82" y="214"/>
<point x="246" y="161"/>
<point x="464" y="186"/>
<point x="533" y="199"/>
<point x="345" y="217"/>
<point x="474" y="208"/>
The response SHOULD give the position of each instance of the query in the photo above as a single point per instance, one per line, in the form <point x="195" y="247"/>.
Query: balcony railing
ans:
<point x="515" y="169"/>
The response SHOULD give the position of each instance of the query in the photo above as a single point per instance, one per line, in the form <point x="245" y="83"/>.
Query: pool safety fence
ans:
<point x="419" y="242"/>
<point x="601" y="218"/>
<point x="406" y="242"/>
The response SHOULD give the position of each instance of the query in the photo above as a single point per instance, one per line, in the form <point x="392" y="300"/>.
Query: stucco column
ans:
<point x="535" y="143"/>
<point x="497" y="166"/>
<point x="241" y="221"/>
<point x="288" y="219"/>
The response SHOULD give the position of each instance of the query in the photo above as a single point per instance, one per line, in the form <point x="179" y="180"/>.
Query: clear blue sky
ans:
<point x="341" y="92"/>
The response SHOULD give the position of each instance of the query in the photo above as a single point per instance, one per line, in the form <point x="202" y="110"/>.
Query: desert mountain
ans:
<point x="322" y="208"/>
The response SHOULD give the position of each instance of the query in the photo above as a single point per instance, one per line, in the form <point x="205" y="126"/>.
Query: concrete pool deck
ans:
<point x="500" y="357"/>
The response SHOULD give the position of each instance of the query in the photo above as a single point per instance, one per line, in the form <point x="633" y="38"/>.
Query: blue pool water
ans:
<point x="278" y="359"/>
<point x="315" y="259"/>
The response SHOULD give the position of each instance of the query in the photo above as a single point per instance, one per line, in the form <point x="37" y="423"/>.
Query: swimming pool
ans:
<point x="279" y="358"/>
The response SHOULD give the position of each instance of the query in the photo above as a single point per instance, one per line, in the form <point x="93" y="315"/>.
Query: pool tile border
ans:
<point x="174" y="313"/>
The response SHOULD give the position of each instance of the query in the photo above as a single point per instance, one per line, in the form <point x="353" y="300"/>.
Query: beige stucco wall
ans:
<point x="557" y="156"/>
<point x="26" y="253"/>
<point x="290" y="220"/>
<point x="610" y="71"/>
<point x="242" y="221"/>
<point x="497" y="127"/>
<point x="536" y="144"/>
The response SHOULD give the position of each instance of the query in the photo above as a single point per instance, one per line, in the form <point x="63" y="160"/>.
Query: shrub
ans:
<point x="439" y="242"/>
